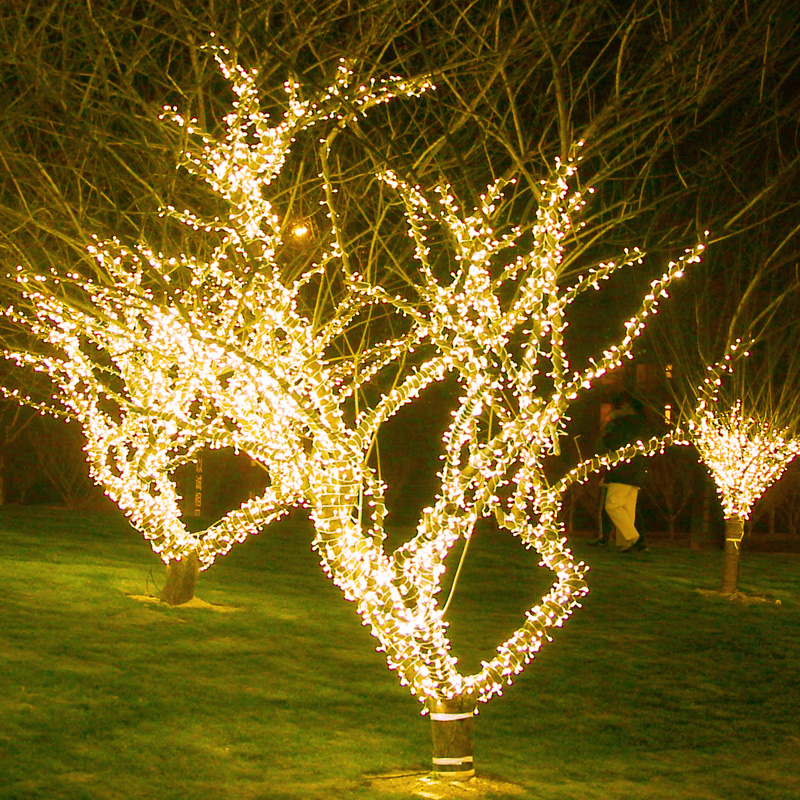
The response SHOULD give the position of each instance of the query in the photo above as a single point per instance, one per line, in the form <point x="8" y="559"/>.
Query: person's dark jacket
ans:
<point x="626" y="427"/>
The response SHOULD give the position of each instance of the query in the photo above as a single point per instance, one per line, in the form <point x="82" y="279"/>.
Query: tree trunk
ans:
<point x="734" y="531"/>
<point x="451" y="730"/>
<point x="4" y="439"/>
<point x="181" y="580"/>
<point x="702" y="535"/>
<point x="571" y="516"/>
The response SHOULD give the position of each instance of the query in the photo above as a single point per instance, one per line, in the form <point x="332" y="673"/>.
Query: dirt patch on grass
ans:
<point x="195" y="602"/>
<point x="425" y="786"/>
<point x="740" y="597"/>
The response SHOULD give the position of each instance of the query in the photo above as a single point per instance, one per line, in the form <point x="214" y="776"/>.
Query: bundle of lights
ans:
<point x="127" y="376"/>
<point x="232" y="360"/>
<point x="140" y="368"/>
<point x="745" y="455"/>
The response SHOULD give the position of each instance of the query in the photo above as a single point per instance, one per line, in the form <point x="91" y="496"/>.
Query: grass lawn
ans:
<point x="651" y="691"/>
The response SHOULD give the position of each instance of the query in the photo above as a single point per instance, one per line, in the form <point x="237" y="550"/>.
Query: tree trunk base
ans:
<point x="740" y="597"/>
<point x="409" y="783"/>
<point x="181" y="580"/>
<point x="451" y="731"/>
<point x="734" y="531"/>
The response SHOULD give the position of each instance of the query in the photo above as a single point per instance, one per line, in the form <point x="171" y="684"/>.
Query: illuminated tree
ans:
<point x="498" y="317"/>
<point x="175" y="352"/>
<point x="745" y="429"/>
<point x="496" y="320"/>
<point x="119" y="352"/>
<point x="495" y="317"/>
<point x="742" y="413"/>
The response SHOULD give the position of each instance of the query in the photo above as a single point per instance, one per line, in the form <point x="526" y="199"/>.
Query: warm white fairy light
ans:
<point x="142" y="377"/>
<point x="744" y="455"/>
<point x="744" y="452"/>
<point x="233" y="361"/>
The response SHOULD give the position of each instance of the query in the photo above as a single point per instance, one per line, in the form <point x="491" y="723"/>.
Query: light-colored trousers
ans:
<point x="621" y="507"/>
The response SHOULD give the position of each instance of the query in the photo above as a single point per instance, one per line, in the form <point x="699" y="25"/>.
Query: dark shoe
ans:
<point x="638" y="546"/>
<point x="599" y="542"/>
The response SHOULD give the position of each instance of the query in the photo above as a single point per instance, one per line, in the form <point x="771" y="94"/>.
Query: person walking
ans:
<point x="604" y="524"/>
<point x="627" y="425"/>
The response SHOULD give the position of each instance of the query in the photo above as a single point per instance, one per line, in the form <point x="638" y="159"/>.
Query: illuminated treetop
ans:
<point x="743" y="435"/>
<point x="227" y="346"/>
<point x="123" y="351"/>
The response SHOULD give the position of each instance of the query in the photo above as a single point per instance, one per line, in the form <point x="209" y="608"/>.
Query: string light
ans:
<point x="153" y="376"/>
<point x="745" y="453"/>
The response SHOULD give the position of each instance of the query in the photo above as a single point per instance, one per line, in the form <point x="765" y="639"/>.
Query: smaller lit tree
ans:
<point x="741" y="413"/>
<point x="745" y="429"/>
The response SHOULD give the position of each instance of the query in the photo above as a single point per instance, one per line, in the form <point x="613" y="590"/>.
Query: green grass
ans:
<point x="651" y="691"/>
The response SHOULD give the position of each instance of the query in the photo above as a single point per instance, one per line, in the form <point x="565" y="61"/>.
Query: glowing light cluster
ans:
<point x="125" y="374"/>
<point x="139" y="364"/>
<point x="745" y="451"/>
<point x="744" y="454"/>
<point x="155" y="374"/>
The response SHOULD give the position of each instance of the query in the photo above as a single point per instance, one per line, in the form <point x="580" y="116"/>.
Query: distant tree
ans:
<point x="746" y="427"/>
<point x="788" y="512"/>
<point x="672" y="485"/>
<point x="14" y="419"/>
<point x="742" y="413"/>
<point x="61" y="462"/>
